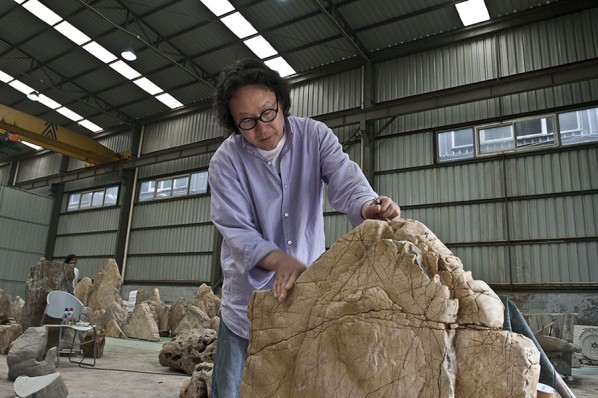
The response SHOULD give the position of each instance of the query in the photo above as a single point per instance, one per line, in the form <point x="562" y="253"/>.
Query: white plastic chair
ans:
<point x="56" y="302"/>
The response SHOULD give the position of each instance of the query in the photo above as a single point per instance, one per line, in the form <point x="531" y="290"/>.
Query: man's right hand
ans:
<point x="287" y="269"/>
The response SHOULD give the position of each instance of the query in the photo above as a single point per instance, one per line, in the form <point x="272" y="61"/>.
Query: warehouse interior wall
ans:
<point x="522" y="219"/>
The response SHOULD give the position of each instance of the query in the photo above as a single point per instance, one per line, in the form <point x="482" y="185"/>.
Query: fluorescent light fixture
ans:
<point x="239" y="25"/>
<point x="66" y="112"/>
<point x="22" y="87"/>
<point x="281" y="66"/>
<point x="49" y="102"/>
<point x="5" y="77"/>
<point x="20" y="1"/>
<point x="90" y="126"/>
<point x="260" y="47"/>
<point x="472" y="12"/>
<point x="30" y="145"/>
<point x="129" y="54"/>
<point x="168" y="100"/>
<point x="72" y="33"/>
<point x="148" y="86"/>
<point x="33" y="96"/>
<point x="99" y="52"/>
<point x="42" y="12"/>
<point x="218" y="7"/>
<point x="125" y="70"/>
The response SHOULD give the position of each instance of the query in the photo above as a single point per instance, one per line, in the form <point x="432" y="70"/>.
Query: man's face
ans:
<point x="251" y="102"/>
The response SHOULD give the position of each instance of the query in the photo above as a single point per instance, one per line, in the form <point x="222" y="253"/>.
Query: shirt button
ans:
<point x="270" y="163"/>
<point x="286" y="214"/>
<point x="290" y="242"/>
<point x="285" y="185"/>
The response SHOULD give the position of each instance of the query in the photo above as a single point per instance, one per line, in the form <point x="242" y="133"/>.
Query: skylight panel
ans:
<point x="260" y="47"/>
<point x="99" y="52"/>
<point x="148" y="86"/>
<point x="47" y="101"/>
<point x="90" y="126"/>
<point x="239" y="25"/>
<point x="5" y="77"/>
<point x="218" y="7"/>
<point x="42" y="12"/>
<point x="280" y="65"/>
<point x="22" y="87"/>
<point x="72" y="33"/>
<point x="125" y="70"/>
<point x="66" y="112"/>
<point x="30" y="145"/>
<point x="472" y="12"/>
<point x="168" y="100"/>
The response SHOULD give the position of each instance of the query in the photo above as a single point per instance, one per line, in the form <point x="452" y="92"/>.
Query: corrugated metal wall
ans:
<point x="4" y="174"/>
<point x="187" y="129"/>
<point x="525" y="218"/>
<point x="24" y="224"/>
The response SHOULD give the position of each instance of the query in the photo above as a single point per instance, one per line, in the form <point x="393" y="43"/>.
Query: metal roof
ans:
<point x="181" y="46"/>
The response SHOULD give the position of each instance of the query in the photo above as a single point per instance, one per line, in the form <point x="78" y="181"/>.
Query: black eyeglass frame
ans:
<point x="260" y="118"/>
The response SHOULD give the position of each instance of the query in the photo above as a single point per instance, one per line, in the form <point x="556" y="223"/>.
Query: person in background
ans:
<point x="72" y="259"/>
<point x="266" y="183"/>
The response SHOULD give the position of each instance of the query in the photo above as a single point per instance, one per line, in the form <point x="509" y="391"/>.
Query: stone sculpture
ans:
<point x="27" y="356"/>
<point x="385" y="312"/>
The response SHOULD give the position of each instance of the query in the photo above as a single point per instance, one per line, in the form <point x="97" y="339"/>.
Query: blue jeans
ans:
<point x="231" y="354"/>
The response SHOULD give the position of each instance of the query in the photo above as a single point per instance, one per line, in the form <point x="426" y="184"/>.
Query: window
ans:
<point x="189" y="184"/>
<point x="199" y="183"/>
<point x="455" y="145"/>
<point x="578" y="126"/>
<point x="74" y="200"/>
<point x="534" y="132"/>
<point x="97" y="198"/>
<point x="496" y="139"/>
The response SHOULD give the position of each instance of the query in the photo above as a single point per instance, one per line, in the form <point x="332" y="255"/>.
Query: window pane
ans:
<point x="496" y="139"/>
<point x="85" y="200"/>
<point x="454" y="145"/>
<point x="98" y="199"/>
<point x="74" y="202"/>
<point x="579" y="126"/>
<point x="111" y="196"/>
<point x="164" y="188"/>
<point x="146" y="190"/>
<point x="199" y="183"/>
<point x="534" y="132"/>
<point x="180" y="186"/>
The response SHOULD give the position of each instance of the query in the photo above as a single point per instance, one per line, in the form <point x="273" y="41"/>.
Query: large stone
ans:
<point x="188" y="349"/>
<point x="207" y="301"/>
<point x="194" y="319"/>
<point x="375" y="315"/>
<point x="106" y="287"/>
<point x="177" y="313"/>
<point x="5" y="302"/>
<point x="83" y="289"/>
<point x="114" y="312"/>
<point x="16" y="309"/>
<point x="26" y="356"/>
<point x="44" y="277"/>
<point x="496" y="363"/>
<point x="141" y="324"/>
<point x="48" y="386"/>
<point x="8" y="334"/>
<point x="199" y="384"/>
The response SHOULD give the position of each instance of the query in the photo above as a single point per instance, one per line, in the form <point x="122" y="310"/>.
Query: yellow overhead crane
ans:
<point x="57" y="138"/>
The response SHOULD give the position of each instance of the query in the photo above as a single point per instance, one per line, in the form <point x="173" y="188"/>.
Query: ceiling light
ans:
<point x="129" y="54"/>
<point x="33" y="96"/>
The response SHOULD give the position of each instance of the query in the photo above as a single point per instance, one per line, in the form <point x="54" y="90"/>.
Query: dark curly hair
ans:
<point x="247" y="72"/>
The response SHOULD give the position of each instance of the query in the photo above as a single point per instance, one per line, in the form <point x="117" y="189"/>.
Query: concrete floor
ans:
<point x="130" y="368"/>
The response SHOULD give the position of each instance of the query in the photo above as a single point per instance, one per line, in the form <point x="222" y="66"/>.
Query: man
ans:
<point x="266" y="182"/>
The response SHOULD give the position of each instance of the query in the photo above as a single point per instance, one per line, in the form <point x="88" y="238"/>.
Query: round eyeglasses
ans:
<point x="266" y="116"/>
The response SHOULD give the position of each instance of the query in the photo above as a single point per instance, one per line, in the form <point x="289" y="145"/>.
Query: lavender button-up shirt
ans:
<point x="258" y="211"/>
